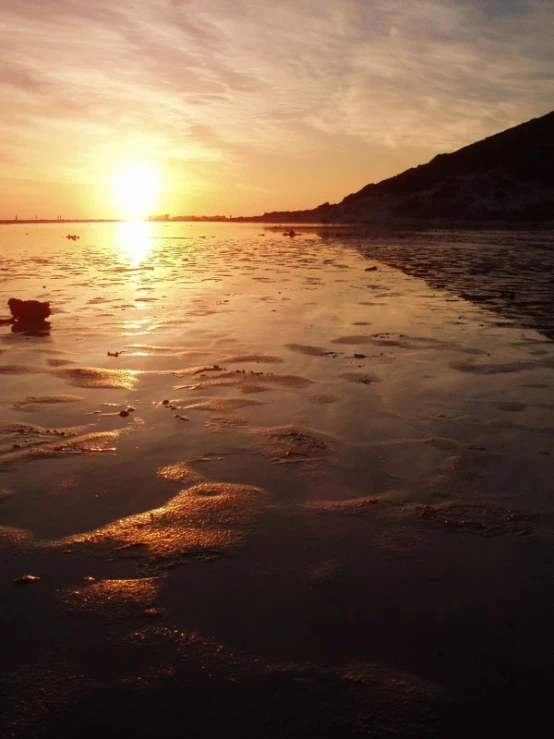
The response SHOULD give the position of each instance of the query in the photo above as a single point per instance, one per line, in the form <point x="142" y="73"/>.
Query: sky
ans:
<point x="237" y="107"/>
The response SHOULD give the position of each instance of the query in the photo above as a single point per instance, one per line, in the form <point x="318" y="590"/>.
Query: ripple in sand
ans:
<point x="357" y="339"/>
<point x="491" y="369"/>
<point x="311" y="351"/>
<point x="144" y="350"/>
<point x="242" y="385"/>
<point x="190" y="353"/>
<point x="223" y="405"/>
<point x="59" y="362"/>
<point x="229" y="421"/>
<point x="227" y="408"/>
<point x="257" y="358"/>
<point x="479" y="519"/>
<point x="114" y="598"/>
<point x="198" y="370"/>
<point x="199" y="312"/>
<point x="364" y="378"/>
<point x="249" y="382"/>
<point x="510" y="406"/>
<point x="85" y="444"/>
<point x="100" y="300"/>
<point x="32" y="401"/>
<point x="291" y="381"/>
<point x="355" y="507"/>
<point x="324" y="399"/>
<point x="32" y="429"/>
<point x="18" y="369"/>
<point x="15" y="537"/>
<point x="150" y="349"/>
<point x="295" y="444"/>
<point x="203" y="521"/>
<point x="445" y="444"/>
<point x="90" y="377"/>
<point x="358" y="507"/>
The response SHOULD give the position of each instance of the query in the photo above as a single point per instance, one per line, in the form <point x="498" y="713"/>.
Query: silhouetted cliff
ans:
<point x="507" y="179"/>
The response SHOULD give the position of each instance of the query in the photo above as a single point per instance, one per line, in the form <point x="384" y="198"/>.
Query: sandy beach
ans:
<point x="276" y="487"/>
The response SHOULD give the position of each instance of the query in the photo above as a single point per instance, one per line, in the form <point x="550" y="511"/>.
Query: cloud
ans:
<point x="195" y="83"/>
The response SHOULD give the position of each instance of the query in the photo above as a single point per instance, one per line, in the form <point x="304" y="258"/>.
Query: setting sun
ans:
<point x="136" y="190"/>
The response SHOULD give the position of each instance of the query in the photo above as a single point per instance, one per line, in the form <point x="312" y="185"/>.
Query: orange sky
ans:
<point x="219" y="107"/>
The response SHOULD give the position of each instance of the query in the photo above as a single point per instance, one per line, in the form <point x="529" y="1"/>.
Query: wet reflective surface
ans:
<point x="244" y="464"/>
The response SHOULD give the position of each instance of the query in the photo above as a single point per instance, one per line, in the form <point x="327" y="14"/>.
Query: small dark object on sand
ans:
<point x="29" y="312"/>
<point x="151" y="613"/>
<point x="370" y="269"/>
<point x="290" y="233"/>
<point x="26" y="579"/>
<point x="72" y="237"/>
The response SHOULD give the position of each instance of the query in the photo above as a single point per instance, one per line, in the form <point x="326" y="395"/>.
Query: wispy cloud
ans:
<point x="217" y="86"/>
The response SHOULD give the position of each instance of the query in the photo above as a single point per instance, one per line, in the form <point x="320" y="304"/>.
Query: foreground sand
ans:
<point x="270" y="491"/>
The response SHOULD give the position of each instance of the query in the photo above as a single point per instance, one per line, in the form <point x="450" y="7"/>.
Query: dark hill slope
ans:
<point x="525" y="152"/>
<point x="505" y="178"/>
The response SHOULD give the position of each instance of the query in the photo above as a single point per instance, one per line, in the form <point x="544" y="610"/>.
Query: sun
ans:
<point x="135" y="191"/>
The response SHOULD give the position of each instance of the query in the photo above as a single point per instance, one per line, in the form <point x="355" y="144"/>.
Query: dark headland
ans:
<point x="505" y="180"/>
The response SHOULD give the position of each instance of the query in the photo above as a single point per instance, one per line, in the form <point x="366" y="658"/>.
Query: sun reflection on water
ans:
<point x="133" y="240"/>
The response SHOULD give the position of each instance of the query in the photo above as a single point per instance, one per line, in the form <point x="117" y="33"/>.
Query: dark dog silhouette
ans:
<point x="28" y="312"/>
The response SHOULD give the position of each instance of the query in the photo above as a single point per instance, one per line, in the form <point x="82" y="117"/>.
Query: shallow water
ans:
<point x="253" y="442"/>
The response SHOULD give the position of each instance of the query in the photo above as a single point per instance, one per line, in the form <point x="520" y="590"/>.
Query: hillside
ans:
<point x="507" y="178"/>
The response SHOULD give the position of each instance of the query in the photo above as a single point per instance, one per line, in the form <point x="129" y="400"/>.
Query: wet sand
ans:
<point x="510" y="273"/>
<point x="263" y="489"/>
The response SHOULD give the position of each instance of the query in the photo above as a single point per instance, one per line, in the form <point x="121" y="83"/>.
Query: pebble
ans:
<point x="26" y="579"/>
<point x="151" y="613"/>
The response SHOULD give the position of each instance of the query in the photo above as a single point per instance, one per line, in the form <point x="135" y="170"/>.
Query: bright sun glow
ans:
<point x="133" y="241"/>
<point x="136" y="191"/>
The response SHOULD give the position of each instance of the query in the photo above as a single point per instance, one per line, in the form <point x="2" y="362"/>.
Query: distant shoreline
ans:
<point x="391" y="227"/>
<point x="43" y="221"/>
